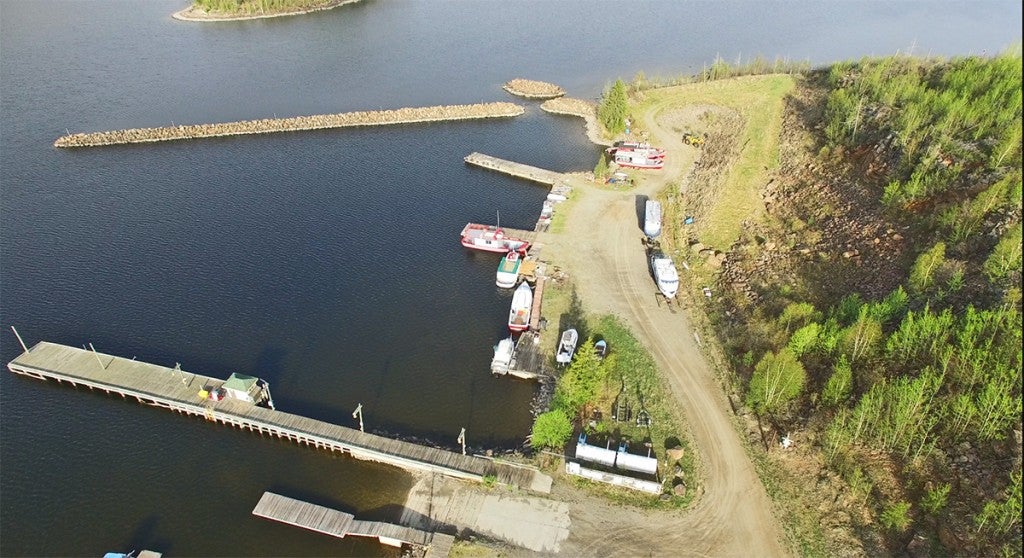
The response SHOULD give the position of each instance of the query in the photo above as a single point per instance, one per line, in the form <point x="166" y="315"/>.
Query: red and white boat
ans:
<point x="491" y="239"/>
<point x="636" y="145"/>
<point x="522" y="304"/>
<point x="637" y="155"/>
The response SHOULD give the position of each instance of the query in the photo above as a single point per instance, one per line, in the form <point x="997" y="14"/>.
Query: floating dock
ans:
<point x="177" y="390"/>
<point x="519" y="170"/>
<point x="528" y="359"/>
<point x="294" y="124"/>
<point x="339" y="524"/>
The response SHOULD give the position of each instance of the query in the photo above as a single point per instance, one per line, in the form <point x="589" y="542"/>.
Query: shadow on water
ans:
<point x="144" y="537"/>
<point x="269" y="364"/>
<point x="641" y="210"/>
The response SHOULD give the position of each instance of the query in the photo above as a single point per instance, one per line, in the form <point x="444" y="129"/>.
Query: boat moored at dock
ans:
<point x="491" y="239"/>
<point x="508" y="270"/>
<point x="522" y="305"/>
<point x="503" y="352"/>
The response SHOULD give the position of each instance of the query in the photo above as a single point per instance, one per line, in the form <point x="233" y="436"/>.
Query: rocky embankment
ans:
<point x="197" y="13"/>
<point x="587" y="110"/>
<point x="298" y="123"/>
<point x="531" y="89"/>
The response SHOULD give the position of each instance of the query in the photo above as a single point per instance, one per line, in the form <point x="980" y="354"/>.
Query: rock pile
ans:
<point x="533" y="89"/>
<point x="298" y="123"/>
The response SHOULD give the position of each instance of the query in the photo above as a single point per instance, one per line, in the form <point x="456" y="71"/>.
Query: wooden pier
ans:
<point x="339" y="524"/>
<point x="177" y="390"/>
<point x="515" y="169"/>
<point x="528" y="359"/>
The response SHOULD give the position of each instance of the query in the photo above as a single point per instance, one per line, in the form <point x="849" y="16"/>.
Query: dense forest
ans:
<point x="912" y="395"/>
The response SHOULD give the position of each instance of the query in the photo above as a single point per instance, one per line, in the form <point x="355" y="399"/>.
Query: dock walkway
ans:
<point x="340" y="524"/>
<point x="519" y="170"/>
<point x="178" y="390"/>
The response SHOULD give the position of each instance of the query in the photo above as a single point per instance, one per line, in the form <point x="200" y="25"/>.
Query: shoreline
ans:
<point x="190" y="14"/>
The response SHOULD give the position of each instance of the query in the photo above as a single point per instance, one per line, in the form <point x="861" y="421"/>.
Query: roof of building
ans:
<point x="240" y="382"/>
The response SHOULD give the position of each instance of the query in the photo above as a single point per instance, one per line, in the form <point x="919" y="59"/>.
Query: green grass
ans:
<point x="759" y="101"/>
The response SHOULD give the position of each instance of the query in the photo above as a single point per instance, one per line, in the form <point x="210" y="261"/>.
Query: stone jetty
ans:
<point x="533" y="89"/>
<point x="294" y="124"/>
<point x="587" y="110"/>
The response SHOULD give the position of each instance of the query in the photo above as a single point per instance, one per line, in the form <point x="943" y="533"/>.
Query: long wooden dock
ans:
<point x="519" y="170"/>
<point x="340" y="524"/>
<point x="179" y="391"/>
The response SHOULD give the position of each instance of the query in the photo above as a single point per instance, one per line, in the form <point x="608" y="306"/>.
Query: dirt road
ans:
<point x="602" y="250"/>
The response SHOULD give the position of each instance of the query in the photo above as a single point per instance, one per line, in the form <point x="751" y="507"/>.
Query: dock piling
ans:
<point x="23" y="347"/>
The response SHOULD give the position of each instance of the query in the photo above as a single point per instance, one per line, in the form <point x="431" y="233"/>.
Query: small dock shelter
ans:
<point x="248" y="388"/>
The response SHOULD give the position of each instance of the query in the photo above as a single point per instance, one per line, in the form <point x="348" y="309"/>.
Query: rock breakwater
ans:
<point x="294" y="124"/>
<point x="533" y="89"/>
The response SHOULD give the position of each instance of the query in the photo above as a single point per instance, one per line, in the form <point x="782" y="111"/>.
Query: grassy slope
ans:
<point x="759" y="101"/>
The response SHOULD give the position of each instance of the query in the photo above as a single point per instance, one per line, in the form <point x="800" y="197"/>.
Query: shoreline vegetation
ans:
<point x="205" y="11"/>
<point x="293" y="124"/>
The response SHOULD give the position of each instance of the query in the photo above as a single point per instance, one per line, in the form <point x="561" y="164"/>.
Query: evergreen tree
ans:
<point x="614" y="108"/>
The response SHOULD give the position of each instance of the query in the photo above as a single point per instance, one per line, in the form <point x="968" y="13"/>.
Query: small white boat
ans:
<point x="502" y="360"/>
<point x="665" y="274"/>
<point x="652" y="219"/>
<point x="601" y="348"/>
<point x="567" y="346"/>
<point x="508" y="270"/>
<point x="522" y="304"/>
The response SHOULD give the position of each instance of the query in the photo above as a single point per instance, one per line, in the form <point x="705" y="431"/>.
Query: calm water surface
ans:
<point x="326" y="262"/>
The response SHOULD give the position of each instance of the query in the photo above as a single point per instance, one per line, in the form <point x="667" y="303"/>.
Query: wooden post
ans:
<point x="19" y="339"/>
<point x="359" y="412"/>
<point x="97" y="355"/>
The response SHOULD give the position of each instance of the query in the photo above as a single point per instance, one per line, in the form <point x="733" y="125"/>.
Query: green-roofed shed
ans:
<point x="240" y="386"/>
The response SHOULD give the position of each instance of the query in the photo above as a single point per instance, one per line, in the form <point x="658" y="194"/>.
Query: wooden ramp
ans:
<point x="339" y="524"/>
<point x="177" y="390"/>
<point x="518" y="170"/>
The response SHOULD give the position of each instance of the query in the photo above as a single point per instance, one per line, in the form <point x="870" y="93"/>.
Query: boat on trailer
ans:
<point x="652" y="219"/>
<point x="665" y="273"/>
<point x="491" y="239"/>
<point x="522" y="304"/>
<point x="567" y="346"/>
<point x="508" y="270"/>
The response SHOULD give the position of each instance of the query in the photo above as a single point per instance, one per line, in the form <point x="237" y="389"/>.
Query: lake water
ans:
<point x="325" y="262"/>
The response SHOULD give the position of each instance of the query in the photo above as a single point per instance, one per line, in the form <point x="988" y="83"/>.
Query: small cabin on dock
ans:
<point x="249" y="389"/>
